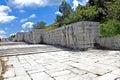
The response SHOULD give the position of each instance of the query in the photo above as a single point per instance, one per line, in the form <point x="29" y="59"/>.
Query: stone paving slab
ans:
<point x="60" y="64"/>
<point x="11" y="43"/>
<point x="12" y="50"/>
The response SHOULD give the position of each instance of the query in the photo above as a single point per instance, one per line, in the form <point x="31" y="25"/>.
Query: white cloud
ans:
<point x="23" y="20"/>
<point x="32" y="3"/>
<point x="2" y="34"/>
<point x="27" y="25"/>
<point x="32" y="16"/>
<point x="58" y="13"/>
<point x="4" y="17"/>
<point x="75" y="4"/>
<point x="83" y="2"/>
<point x="4" y="8"/>
<point x="22" y="31"/>
<point x="26" y="19"/>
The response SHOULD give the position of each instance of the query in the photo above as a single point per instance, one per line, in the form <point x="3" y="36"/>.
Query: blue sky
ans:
<point x="20" y="15"/>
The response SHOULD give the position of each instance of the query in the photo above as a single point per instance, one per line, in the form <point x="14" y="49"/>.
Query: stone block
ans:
<point x="77" y="35"/>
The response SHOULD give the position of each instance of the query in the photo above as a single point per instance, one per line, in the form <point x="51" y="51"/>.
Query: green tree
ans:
<point x="86" y="13"/>
<point x="110" y="28"/>
<point x="114" y="10"/>
<point x="102" y="8"/>
<point x="65" y="9"/>
<point x="59" y="20"/>
<point x="39" y="25"/>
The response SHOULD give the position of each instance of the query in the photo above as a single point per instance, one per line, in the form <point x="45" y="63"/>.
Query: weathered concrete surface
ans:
<point x="80" y="35"/>
<point x="52" y="63"/>
<point x="34" y="36"/>
<point x="4" y="40"/>
<point x="20" y="36"/>
<point x="37" y="35"/>
<point x="28" y="37"/>
<point x="109" y="43"/>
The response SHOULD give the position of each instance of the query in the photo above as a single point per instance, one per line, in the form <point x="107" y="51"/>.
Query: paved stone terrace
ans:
<point x="45" y="62"/>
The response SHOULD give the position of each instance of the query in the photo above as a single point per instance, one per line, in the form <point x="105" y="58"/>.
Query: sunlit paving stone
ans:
<point x="59" y="64"/>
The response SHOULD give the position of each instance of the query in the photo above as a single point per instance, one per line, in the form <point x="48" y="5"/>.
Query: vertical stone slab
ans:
<point x="28" y="37"/>
<point x="37" y="36"/>
<point x="20" y="36"/>
<point x="109" y="43"/>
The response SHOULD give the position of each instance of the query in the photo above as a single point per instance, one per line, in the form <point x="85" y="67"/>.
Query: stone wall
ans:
<point x="80" y="35"/>
<point x="28" y="37"/>
<point x="20" y="36"/>
<point x="37" y="35"/>
<point x="34" y="36"/>
<point x="4" y="39"/>
<point x="109" y="43"/>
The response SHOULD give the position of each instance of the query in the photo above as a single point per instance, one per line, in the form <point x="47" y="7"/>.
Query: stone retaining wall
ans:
<point x="4" y="39"/>
<point x="20" y="36"/>
<point x="109" y="43"/>
<point x="80" y="35"/>
<point x="30" y="37"/>
<point x="37" y="35"/>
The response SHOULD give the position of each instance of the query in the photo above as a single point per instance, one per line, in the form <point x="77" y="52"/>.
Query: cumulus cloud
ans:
<point x="32" y="3"/>
<point x="2" y="34"/>
<point x="32" y="16"/>
<point x="26" y="19"/>
<point x="4" y="17"/>
<point x="4" y="8"/>
<point x="27" y="25"/>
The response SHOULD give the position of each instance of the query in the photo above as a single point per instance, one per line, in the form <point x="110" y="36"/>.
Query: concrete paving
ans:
<point x="45" y="62"/>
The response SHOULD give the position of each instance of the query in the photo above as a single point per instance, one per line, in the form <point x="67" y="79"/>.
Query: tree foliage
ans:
<point x="110" y="28"/>
<point x="65" y="9"/>
<point x="39" y="25"/>
<point x="107" y="12"/>
<point x="114" y="10"/>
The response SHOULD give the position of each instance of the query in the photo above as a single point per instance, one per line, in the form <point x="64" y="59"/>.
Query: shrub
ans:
<point x="110" y="28"/>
